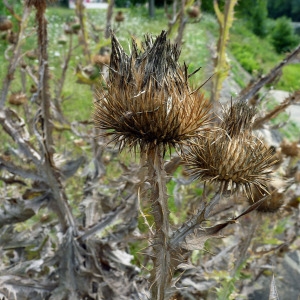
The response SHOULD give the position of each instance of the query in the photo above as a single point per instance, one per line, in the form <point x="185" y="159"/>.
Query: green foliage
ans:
<point x="290" y="80"/>
<point x="253" y="53"/>
<point x="259" y="18"/>
<point x="227" y="289"/>
<point x="279" y="8"/>
<point x="208" y="5"/>
<point x="123" y="3"/>
<point x="2" y="9"/>
<point x="245" y="57"/>
<point x="254" y="12"/>
<point x="283" y="37"/>
<point x="16" y="4"/>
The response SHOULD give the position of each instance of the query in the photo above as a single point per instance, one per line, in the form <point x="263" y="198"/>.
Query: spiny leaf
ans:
<point x="273" y="290"/>
<point x="196" y="240"/>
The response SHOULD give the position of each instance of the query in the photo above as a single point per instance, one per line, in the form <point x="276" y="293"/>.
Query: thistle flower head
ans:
<point x="237" y="117"/>
<point x="148" y="101"/>
<point x="239" y="161"/>
<point x="273" y="201"/>
<point x="290" y="149"/>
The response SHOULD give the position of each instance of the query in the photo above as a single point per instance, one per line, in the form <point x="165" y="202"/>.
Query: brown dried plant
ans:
<point x="240" y="161"/>
<point x="149" y="107"/>
<point x="148" y="102"/>
<point x="232" y="156"/>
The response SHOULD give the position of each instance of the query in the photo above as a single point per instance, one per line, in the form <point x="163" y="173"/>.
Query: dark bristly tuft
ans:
<point x="148" y="102"/>
<point x="237" y="117"/>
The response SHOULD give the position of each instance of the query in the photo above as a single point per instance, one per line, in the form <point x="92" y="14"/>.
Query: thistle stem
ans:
<point x="161" y="274"/>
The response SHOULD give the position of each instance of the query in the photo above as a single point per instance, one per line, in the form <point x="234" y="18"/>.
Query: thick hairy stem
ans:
<point x="221" y="65"/>
<point x="61" y="204"/>
<point x="13" y="63"/>
<point x="182" y="23"/>
<point x="65" y="68"/>
<point x="44" y="80"/>
<point x="161" y="274"/>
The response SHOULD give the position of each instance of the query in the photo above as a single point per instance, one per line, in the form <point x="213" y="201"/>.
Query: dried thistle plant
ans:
<point x="148" y="102"/>
<point x="149" y="106"/>
<point x="237" y="117"/>
<point x="272" y="203"/>
<point x="232" y="156"/>
<point x="239" y="161"/>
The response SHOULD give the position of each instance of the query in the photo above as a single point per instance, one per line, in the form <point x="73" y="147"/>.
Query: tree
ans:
<point x="259" y="16"/>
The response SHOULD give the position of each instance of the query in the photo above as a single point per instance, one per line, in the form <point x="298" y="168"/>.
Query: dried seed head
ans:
<point x="17" y="98"/>
<point x="5" y="24"/>
<point x="240" y="161"/>
<point x="119" y="17"/>
<point x="148" y="101"/>
<point x="273" y="201"/>
<point x="290" y="149"/>
<point x="237" y="117"/>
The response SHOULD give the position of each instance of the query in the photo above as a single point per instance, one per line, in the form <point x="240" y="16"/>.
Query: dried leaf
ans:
<point x="273" y="290"/>
<point x="196" y="240"/>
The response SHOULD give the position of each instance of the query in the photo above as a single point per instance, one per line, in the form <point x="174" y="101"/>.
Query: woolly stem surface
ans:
<point x="161" y="274"/>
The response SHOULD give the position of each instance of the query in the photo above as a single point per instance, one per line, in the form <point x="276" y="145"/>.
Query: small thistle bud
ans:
<point x="240" y="161"/>
<point x="272" y="203"/>
<point x="67" y="29"/>
<point x="101" y="60"/>
<point x="17" y="98"/>
<point x="12" y="37"/>
<point x="290" y="149"/>
<point x="148" y="101"/>
<point x="33" y="89"/>
<point x="194" y="11"/>
<point x="237" y="117"/>
<point x="119" y="17"/>
<point x="5" y="24"/>
<point x="32" y="54"/>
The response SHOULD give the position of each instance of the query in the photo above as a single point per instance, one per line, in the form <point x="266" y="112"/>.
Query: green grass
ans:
<point x="290" y="79"/>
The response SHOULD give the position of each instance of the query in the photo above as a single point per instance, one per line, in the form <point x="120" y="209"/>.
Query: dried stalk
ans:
<point x="82" y="19"/>
<point x="109" y="14"/>
<point x="259" y="122"/>
<point x="60" y="204"/>
<point x="221" y="64"/>
<point x="14" y="60"/>
<point x="182" y="22"/>
<point x="162" y="272"/>
<point x="250" y="91"/>
<point x="65" y="67"/>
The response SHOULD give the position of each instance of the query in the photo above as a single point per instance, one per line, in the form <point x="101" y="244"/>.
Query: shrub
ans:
<point x="259" y="18"/>
<point x="283" y="37"/>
